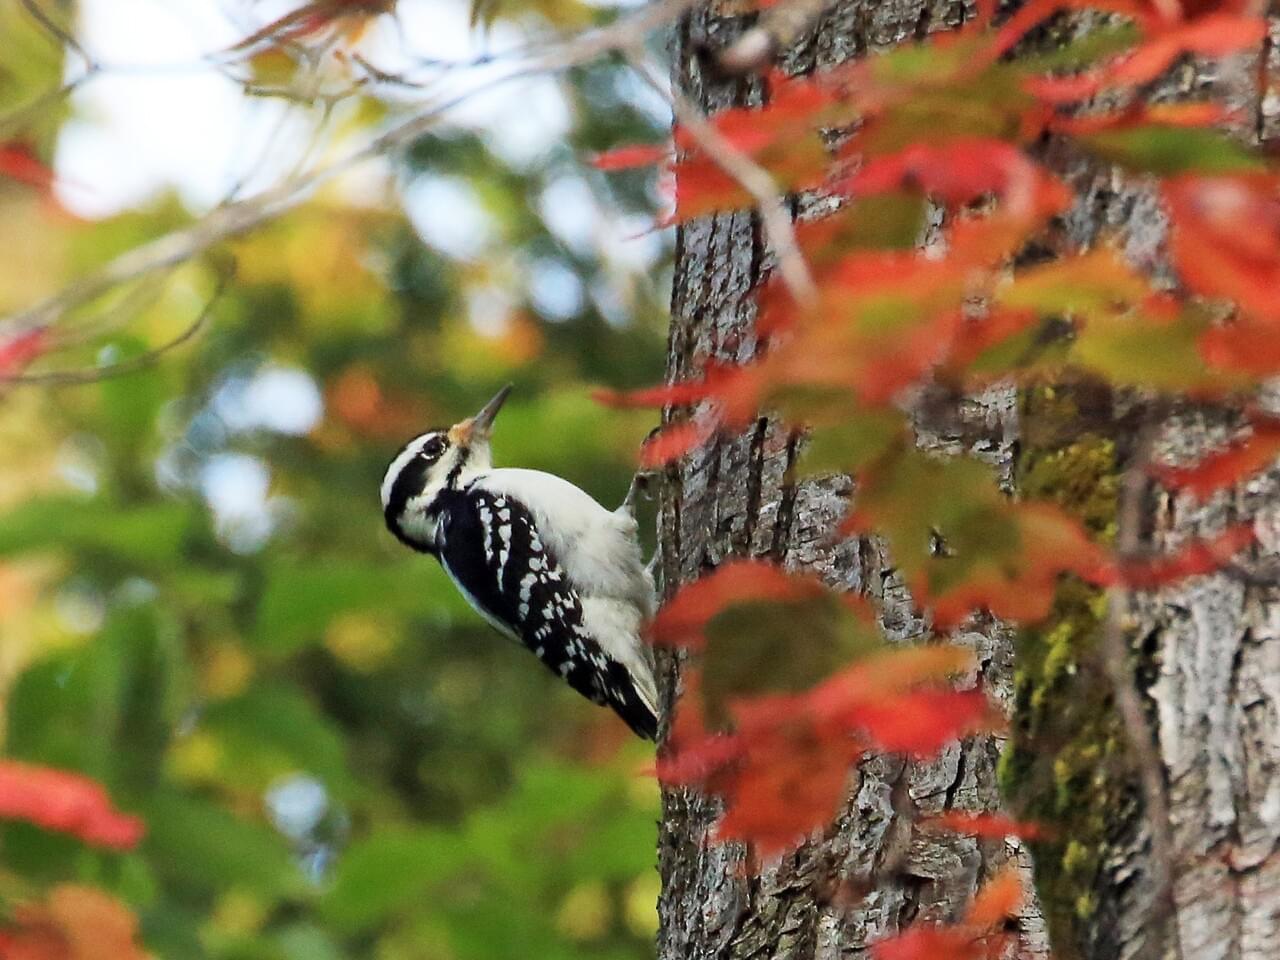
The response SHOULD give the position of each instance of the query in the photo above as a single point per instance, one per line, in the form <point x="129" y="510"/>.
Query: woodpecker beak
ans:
<point x="476" y="429"/>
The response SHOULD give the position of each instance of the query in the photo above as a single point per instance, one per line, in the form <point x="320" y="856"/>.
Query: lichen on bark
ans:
<point x="1065" y="765"/>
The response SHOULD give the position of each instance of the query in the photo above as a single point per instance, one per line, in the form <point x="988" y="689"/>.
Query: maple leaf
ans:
<point x="1226" y="238"/>
<point x="1194" y="559"/>
<point x="786" y="786"/>
<point x="921" y="722"/>
<point x="783" y="766"/>
<point x="1169" y="29"/>
<point x="65" y="802"/>
<point x="975" y="937"/>
<point x="73" y="923"/>
<point x="999" y="555"/>
<point x="1245" y="347"/>
<point x="683" y="619"/>
<point x="1227" y="467"/>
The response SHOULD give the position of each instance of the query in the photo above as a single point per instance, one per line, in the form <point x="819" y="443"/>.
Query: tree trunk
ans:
<point x="733" y="499"/>
<point x="1206" y="655"/>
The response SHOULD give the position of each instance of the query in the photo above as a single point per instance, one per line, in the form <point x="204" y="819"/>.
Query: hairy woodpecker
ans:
<point x="537" y="557"/>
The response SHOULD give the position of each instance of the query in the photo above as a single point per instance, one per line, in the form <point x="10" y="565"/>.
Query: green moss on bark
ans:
<point x="1066" y="746"/>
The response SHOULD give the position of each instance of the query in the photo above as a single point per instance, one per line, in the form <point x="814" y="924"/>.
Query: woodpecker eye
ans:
<point x="432" y="449"/>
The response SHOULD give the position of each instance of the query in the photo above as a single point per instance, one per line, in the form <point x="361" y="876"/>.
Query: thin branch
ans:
<point x="237" y="218"/>
<point x="750" y="176"/>
<point x="132" y="364"/>
<point x="58" y="33"/>
<point x="14" y="121"/>
<point x="1115" y="656"/>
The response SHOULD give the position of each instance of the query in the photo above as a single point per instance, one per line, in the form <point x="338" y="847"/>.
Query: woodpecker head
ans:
<point x="431" y="463"/>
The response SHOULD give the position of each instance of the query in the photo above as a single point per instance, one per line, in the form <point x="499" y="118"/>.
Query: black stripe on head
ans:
<point x="410" y="480"/>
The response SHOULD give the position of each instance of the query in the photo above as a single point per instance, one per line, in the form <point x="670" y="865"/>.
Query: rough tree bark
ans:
<point x="733" y="499"/>
<point x="1206" y="655"/>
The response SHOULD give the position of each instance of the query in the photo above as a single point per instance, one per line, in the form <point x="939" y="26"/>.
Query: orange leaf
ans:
<point x="1226" y="467"/>
<point x="1195" y="559"/>
<point x="73" y="923"/>
<point x="673" y="441"/>
<point x="682" y="619"/>
<point x="65" y="802"/>
<point x="999" y="898"/>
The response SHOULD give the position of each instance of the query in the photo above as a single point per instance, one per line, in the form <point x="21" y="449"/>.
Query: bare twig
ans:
<point x="132" y="364"/>
<point x="236" y="218"/>
<point x="1115" y="655"/>
<point x="750" y="176"/>
<point x="15" y="120"/>
<point x="59" y="34"/>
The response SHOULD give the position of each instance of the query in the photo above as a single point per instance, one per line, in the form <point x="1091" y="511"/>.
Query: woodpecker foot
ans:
<point x="640" y="486"/>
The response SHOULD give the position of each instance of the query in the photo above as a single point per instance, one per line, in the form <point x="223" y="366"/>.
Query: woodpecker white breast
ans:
<point x="536" y="556"/>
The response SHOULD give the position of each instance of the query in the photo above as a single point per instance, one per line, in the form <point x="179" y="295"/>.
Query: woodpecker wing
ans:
<point x="490" y="547"/>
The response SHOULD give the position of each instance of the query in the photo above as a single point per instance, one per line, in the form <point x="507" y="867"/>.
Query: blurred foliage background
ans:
<point x="199" y="604"/>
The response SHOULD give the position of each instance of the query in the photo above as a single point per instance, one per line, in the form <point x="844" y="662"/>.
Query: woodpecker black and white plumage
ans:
<point x="537" y="557"/>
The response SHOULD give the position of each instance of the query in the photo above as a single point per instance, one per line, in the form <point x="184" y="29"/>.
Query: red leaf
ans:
<point x="957" y="172"/>
<point x="1226" y="239"/>
<point x="921" y="722"/>
<point x="682" y="619"/>
<point x="1214" y="35"/>
<point x="18" y="162"/>
<point x="1195" y="559"/>
<point x="67" y="803"/>
<point x="713" y="379"/>
<point x="972" y="939"/>
<point x="73" y="923"/>
<point x="625" y="158"/>
<point x="673" y="441"/>
<point x="1246" y="346"/>
<point x="999" y="898"/>
<point x="1226" y="467"/>
<point x="989" y="826"/>
<point x="923" y="942"/>
<point x="1019" y="588"/>
<point x="786" y="790"/>
<point x="18" y="351"/>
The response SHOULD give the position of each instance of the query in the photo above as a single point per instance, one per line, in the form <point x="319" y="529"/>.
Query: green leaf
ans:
<point x="385" y="873"/>
<point x="1166" y="151"/>
<point x="772" y="647"/>
<point x="301" y="599"/>
<point x="202" y="847"/>
<point x="850" y="444"/>
<point x="105" y="709"/>
<point x="148" y="535"/>
<point x="273" y="730"/>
